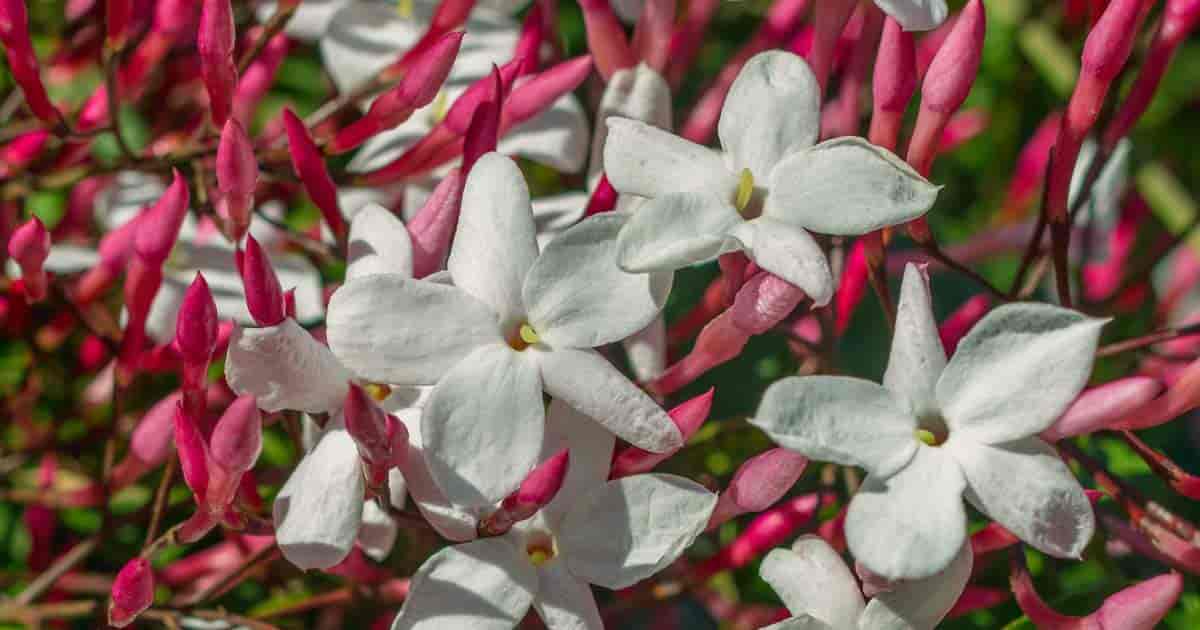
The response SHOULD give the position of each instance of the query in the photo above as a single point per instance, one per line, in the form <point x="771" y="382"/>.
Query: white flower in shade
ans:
<point x="819" y="589"/>
<point x="514" y="324"/>
<point x="937" y="431"/>
<point x="612" y="534"/>
<point x="915" y="15"/>
<point x="766" y="191"/>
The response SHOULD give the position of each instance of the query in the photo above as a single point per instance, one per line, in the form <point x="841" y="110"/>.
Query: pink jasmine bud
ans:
<point x="115" y="250"/>
<point x="763" y="301"/>
<point x="652" y="34"/>
<point x="1111" y="40"/>
<point x="22" y="150"/>
<point x="196" y="324"/>
<point x="157" y="233"/>
<point x="462" y="111"/>
<point x="538" y="93"/>
<point x="758" y="483"/>
<point x="310" y="167"/>
<point x="29" y="245"/>
<point x="537" y="490"/>
<point x="1031" y="168"/>
<point x="117" y="16"/>
<point x="433" y="227"/>
<point x="1181" y="397"/>
<point x="962" y="128"/>
<point x="533" y="35"/>
<point x="237" y="438"/>
<point x="603" y="199"/>
<point x="257" y="79"/>
<point x="1100" y="406"/>
<point x="829" y="19"/>
<point x="687" y="416"/>
<point x="768" y="530"/>
<point x="132" y="592"/>
<point x="484" y="132"/>
<point x="955" y="327"/>
<point x="449" y="15"/>
<point x="150" y="443"/>
<point x="237" y="175"/>
<point x="193" y="453"/>
<point x="606" y="38"/>
<point x="264" y="296"/>
<point x="142" y="281"/>
<point x="720" y="341"/>
<point x="895" y="80"/>
<point x="852" y="286"/>
<point x="215" y="41"/>
<point x="367" y="424"/>
<point x="22" y="61"/>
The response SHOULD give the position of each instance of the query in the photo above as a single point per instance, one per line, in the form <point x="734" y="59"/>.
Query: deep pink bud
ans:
<point x="768" y="530"/>
<point x="367" y="424"/>
<point x="688" y="416"/>
<point x="1111" y="40"/>
<point x="157" y="233"/>
<point x="606" y="38"/>
<point x="310" y="167"/>
<point x="652" y="35"/>
<point x="955" y="327"/>
<point x="852" y="286"/>
<point x="22" y="150"/>
<point x="215" y="41"/>
<point x="257" y="79"/>
<point x="193" y="453"/>
<point x="953" y="69"/>
<point x="963" y="127"/>
<point x="895" y="80"/>
<point x="29" y="246"/>
<point x="462" y="111"/>
<point x="533" y="35"/>
<point x="196" y="324"/>
<point x="264" y="296"/>
<point x="132" y="592"/>
<point x="538" y="93"/>
<point x="1098" y="407"/>
<point x="758" y="483"/>
<point x="117" y="16"/>
<point x="150" y="443"/>
<point x="484" y="132"/>
<point x="433" y="227"/>
<point x="237" y="438"/>
<point x="537" y="490"/>
<point x="237" y="175"/>
<point x="603" y="199"/>
<point x="22" y="61"/>
<point x="719" y="341"/>
<point x="1030" y="170"/>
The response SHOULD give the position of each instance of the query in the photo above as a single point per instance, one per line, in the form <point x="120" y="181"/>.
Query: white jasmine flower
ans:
<point x="936" y="432"/>
<point x="819" y="589"/>
<point x="915" y="15"/>
<point x="766" y="190"/>
<point x="514" y="324"/>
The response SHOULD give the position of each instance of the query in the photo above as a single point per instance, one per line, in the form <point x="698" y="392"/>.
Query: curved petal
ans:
<point x="1017" y="371"/>
<point x="920" y="604"/>
<point x="639" y="93"/>
<point x="909" y="525"/>
<point x="564" y="601"/>
<point x="839" y="419"/>
<point x="800" y="622"/>
<point x="577" y="296"/>
<point x="1024" y="486"/>
<point x="773" y="110"/>
<point x="847" y="186"/>
<point x="378" y="533"/>
<point x="915" y="15"/>
<point x="284" y="367"/>
<point x="788" y="252"/>
<point x="812" y="580"/>
<point x="644" y="160"/>
<point x="554" y="213"/>
<point x="676" y="230"/>
<point x="392" y="329"/>
<point x="632" y="528"/>
<point x="591" y="451"/>
<point x="557" y="137"/>
<point x="917" y="358"/>
<point x="646" y="351"/>
<point x="592" y="386"/>
<point x="494" y="244"/>
<point x="484" y="585"/>
<point x="379" y="243"/>
<point x="483" y="426"/>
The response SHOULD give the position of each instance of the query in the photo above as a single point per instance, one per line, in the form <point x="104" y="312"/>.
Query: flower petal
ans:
<point x="379" y="243"/>
<point x="591" y="385"/>
<point x="639" y="93"/>
<point x="1017" y="371"/>
<point x="554" y="213"/>
<point x="483" y="426"/>
<point x="839" y="419"/>
<point x="1024" y="486"/>
<point x="483" y="585"/>
<point x="284" y="367"/>
<point x="676" y="230"/>
<point x="847" y="186"/>
<point x="495" y="244"/>
<point x="393" y="329"/>
<point x="788" y="252"/>
<point x="915" y="15"/>
<point x="557" y="137"/>
<point x="578" y="297"/>
<point x="642" y="159"/>
<point x="917" y="358"/>
<point x="812" y="580"/>
<point x="591" y="450"/>
<point x="632" y="528"/>
<point x="920" y="604"/>
<point x="909" y="525"/>
<point x="310" y="19"/>
<point x="800" y="622"/>
<point x="378" y="533"/>
<point x="773" y="110"/>
<point x="564" y="601"/>
<point x="646" y="350"/>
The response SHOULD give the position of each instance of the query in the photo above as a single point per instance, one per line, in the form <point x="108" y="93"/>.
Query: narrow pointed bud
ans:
<point x="433" y="227"/>
<point x="237" y="176"/>
<point x="310" y="168"/>
<point x="22" y="61"/>
<point x="603" y="199"/>
<point x="606" y="38"/>
<point x="955" y="327"/>
<point x="758" y="483"/>
<point x="367" y="424"/>
<point x="894" y="82"/>
<point x="21" y="151"/>
<point x="652" y="35"/>
<point x="829" y="19"/>
<point x="533" y="35"/>
<point x="768" y="530"/>
<point x="538" y="93"/>
<point x="215" y="41"/>
<point x="29" y="246"/>
<point x="462" y="111"/>
<point x="1141" y="606"/>
<point x="852" y="286"/>
<point x="196" y="324"/>
<point x="117" y="17"/>
<point x="719" y="341"/>
<point x="158" y="231"/>
<point x="237" y="438"/>
<point x="484" y="133"/>
<point x="1098" y="407"/>
<point x="132" y="592"/>
<point x="688" y="417"/>
<point x="193" y="453"/>
<point x="264" y="296"/>
<point x="256" y="81"/>
<point x="537" y="490"/>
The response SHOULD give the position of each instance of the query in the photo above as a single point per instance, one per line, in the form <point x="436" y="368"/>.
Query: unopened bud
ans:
<point x="237" y="175"/>
<point x="264" y="296"/>
<point x="132" y="592"/>
<point x="29" y="246"/>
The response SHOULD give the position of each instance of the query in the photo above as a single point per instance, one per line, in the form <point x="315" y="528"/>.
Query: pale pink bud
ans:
<point x="955" y="327"/>
<point x="767" y="530"/>
<point x="758" y="483"/>
<point x="652" y="34"/>
<point x="433" y="226"/>
<point x="537" y="490"/>
<point x="688" y="416"/>
<point x="763" y="301"/>
<point x="22" y="150"/>
<point x="894" y="82"/>
<point x="310" y="167"/>
<point x="237" y="438"/>
<point x="215" y="41"/>
<point x="22" y="61"/>
<point x="1098" y="407"/>
<point x="852" y="286"/>
<point x="538" y="93"/>
<point x="264" y="296"/>
<point x="256" y="81"/>
<point x="150" y="443"/>
<point x="829" y="19"/>
<point x="719" y="341"/>
<point x="606" y="38"/>
<point x="237" y="175"/>
<point x="367" y="424"/>
<point x="132" y="592"/>
<point x="157" y="233"/>
<point x="29" y="246"/>
<point x="193" y="453"/>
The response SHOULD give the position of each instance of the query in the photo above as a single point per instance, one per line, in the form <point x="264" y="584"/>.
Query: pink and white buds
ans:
<point x="310" y="167"/>
<point x="536" y="491"/>
<point x="264" y="296"/>
<point x="237" y="439"/>
<point x="132" y="592"/>
<point x="237" y="176"/>
<point x="215" y="41"/>
<point x="29" y="246"/>
<point x="158" y="231"/>
<point x="22" y="61"/>
<point x="895" y="80"/>
<point x="606" y="38"/>
<point x="758" y="484"/>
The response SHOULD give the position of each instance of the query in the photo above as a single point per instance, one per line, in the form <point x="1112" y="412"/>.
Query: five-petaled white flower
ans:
<point x="768" y="188"/>
<point x="936" y="432"/>
<point x="818" y="588"/>
<point x="514" y="324"/>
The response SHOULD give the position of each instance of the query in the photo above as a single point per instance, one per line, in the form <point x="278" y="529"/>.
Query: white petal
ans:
<point x="377" y="535"/>
<point x="676" y="230"/>
<point x="397" y="489"/>
<point x="494" y="245"/>
<point x="1024" y="486"/>
<point x="64" y="258"/>
<point x="639" y="93"/>
<point x="909" y="525"/>
<point x="557" y="137"/>
<point x="285" y="368"/>
<point x="917" y="358"/>
<point x="578" y="297"/>
<point x="1017" y="371"/>
<point x="383" y="148"/>
<point x="915" y="15"/>
<point x="319" y="509"/>
<point x="379" y="243"/>
<point x="788" y="252"/>
<point x="847" y="186"/>
<point x="483" y="426"/>
<point x="812" y="579"/>
<point x="309" y="21"/>
<point x="564" y="601"/>
<point x="164" y="310"/>
<point x="393" y="329"/>
<point x="646" y="351"/>
<point x="362" y="38"/>
<point x="554" y="213"/>
<point x="453" y="522"/>
<point x="800" y="622"/>
<point x="590" y="384"/>
<point x="920" y="604"/>
<point x="644" y="160"/>
<point x="772" y="110"/>
<point x="632" y="528"/>
<point x="483" y="585"/>
<point x="839" y="419"/>
<point x="591" y="451"/>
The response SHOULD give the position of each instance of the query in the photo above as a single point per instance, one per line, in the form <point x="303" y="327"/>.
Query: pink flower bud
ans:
<point x="538" y="93"/>
<point x="117" y="16"/>
<point x="157" y="233"/>
<point x="264" y="296"/>
<point x="142" y="281"/>
<point x="237" y="175"/>
<point x="533" y="35"/>
<point x="237" y="438"/>
<point x="758" y="483"/>
<point x="1111" y="40"/>
<point x="720" y="341"/>
<point x="895" y="80"/>
<point x="537" y="490"/>
<point x="1031" y="168"/>
<point x="193" y="453"/>
<point x="652" y="34"/>
<point x="763" y="301"/>
<point x="196" y="324"/>
<point x="768" y="530"/>
<point x="29" y="245"/>
<point x="132" y="592"/>
<point x="310" y="167"/>
<point x="433" y="226"/>
<point x="150" y="443"/>
<point x="955" y="327"/>
<point x="962" y="127"/>
<point x="462" y="111"/>
<point x="852" y="286"/>
<point x="606" y="38"/>
<point x="484" y="132"/>
<point x="215" y="41"/>
<point x="829" y="19"/>
<point x="22" y="150"/>
<point x="257" y="79"/>
<point x="603" y="199"/>
<point x="367" y="424"/>
<point x="22" y="61"/>
<point x="687" y="416"/>
<point x="1100" y="406"/>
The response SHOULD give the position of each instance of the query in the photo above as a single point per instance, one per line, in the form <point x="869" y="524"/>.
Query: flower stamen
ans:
<point x="526" y="336"/>
<point x="378" y="391"/>
<point x="405" y="8"/>
<point x="745" y="190"/>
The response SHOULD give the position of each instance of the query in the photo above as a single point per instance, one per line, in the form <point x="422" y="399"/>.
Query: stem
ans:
<point x="278" y="20"/>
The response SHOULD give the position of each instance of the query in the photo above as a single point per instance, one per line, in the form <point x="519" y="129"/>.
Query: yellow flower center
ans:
<point x="745" y="190"/>
<point x="405" y="8"/>
<point x="378" y="391"/>
<point x="931" y="438"/>
<point x="540" y="555"/>
<point x="526" y="336"/>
